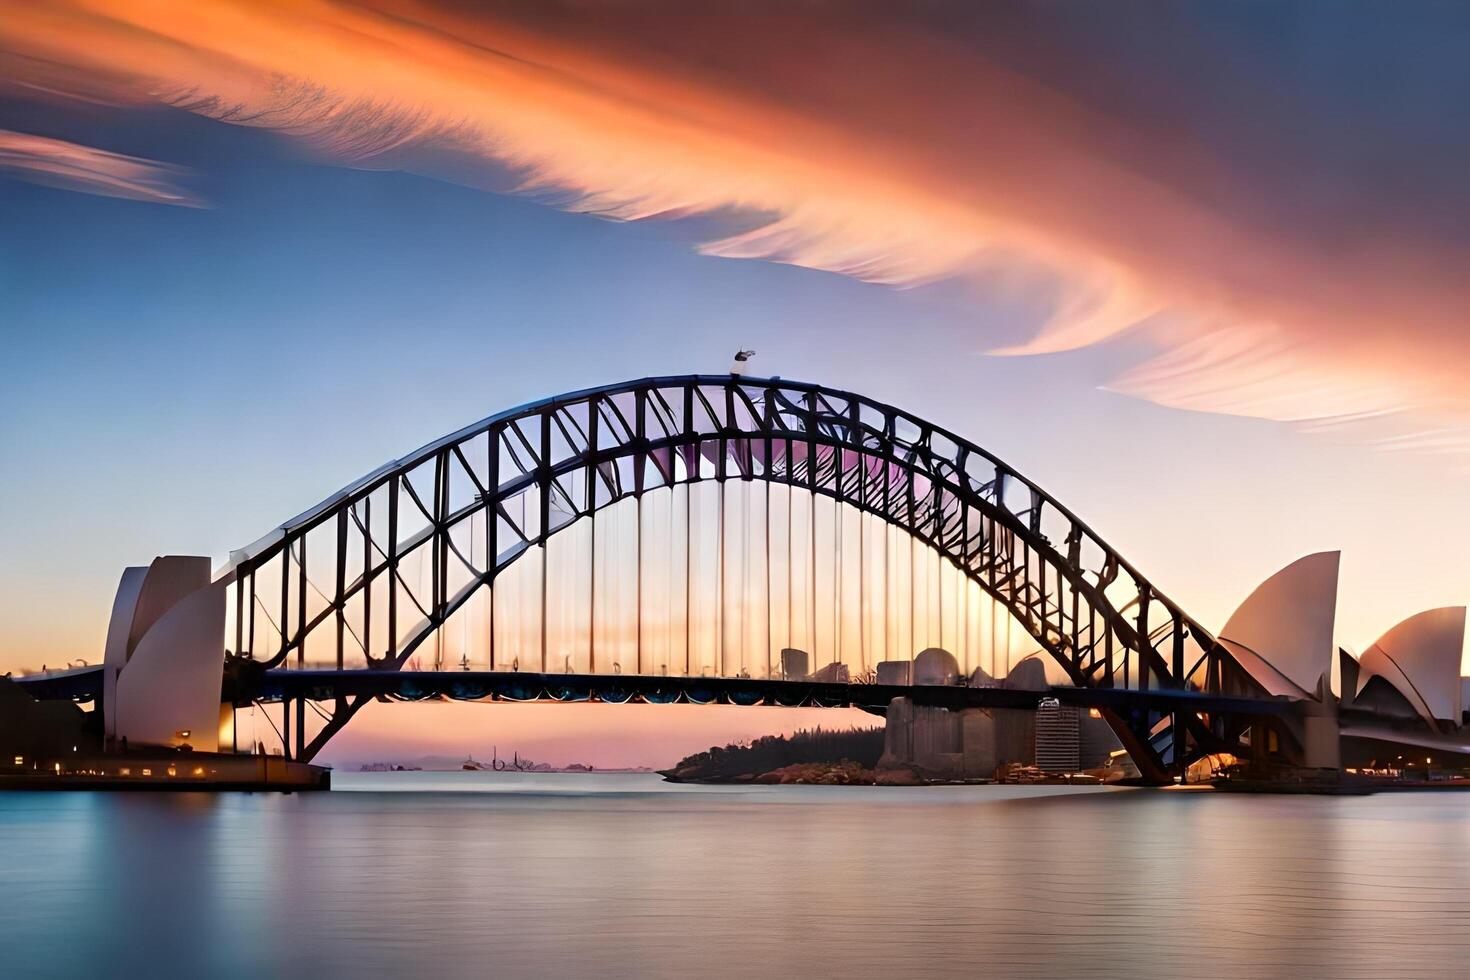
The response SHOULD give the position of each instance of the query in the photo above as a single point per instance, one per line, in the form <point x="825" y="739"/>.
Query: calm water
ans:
<point x="626" y="876"/>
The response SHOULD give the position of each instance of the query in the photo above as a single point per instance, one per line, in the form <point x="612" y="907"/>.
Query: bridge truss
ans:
<point x="369" y="576"/>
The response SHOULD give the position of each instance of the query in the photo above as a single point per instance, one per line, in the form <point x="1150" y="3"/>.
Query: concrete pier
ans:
<point x="165" y="770"/>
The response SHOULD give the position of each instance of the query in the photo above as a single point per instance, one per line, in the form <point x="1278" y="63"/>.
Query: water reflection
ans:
<point x="626" y="876"/>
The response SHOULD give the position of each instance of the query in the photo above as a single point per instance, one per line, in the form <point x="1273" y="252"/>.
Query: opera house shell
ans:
<point x="164" y="658"/>
<point x="1414" y="668"/>
<point x="1405" y="694"/>
<point x="1282" y="634"/>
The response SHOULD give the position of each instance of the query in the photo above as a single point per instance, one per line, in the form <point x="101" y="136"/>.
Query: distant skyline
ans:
<point x="1200" y="275"/>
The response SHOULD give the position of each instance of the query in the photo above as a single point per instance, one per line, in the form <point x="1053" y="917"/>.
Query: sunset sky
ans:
<point x="1201" y="270"/>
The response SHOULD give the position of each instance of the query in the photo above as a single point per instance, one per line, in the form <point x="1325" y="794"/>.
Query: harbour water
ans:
<point x="509" y="874"/>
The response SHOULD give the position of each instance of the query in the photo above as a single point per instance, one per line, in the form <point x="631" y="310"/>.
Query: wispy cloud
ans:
<point x="87" y="169"/>
<point x="875" y="145"/>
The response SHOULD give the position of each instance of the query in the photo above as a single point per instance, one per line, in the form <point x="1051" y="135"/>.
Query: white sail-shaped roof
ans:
<point x="1282" y="633"/>
<point x="1420" y="657"/>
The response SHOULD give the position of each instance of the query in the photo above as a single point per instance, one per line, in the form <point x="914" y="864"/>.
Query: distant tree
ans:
<point x="860" y="745"/>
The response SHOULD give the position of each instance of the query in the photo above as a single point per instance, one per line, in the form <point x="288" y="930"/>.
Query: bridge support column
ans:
<point x="1320" y="732"/>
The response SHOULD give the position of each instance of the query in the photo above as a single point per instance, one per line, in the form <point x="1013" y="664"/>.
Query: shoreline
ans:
<point x="171" y="772"/>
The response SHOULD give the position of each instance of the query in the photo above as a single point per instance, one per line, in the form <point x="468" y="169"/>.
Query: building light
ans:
<point x="1094" y="713"/>
<point x="58" y="769"/>
<point x="147" y="772"/>
<point x="20" y="760"/>
<point x="125" y="771"/>
<point x="183" y="733"/>
<point x="198" y="770"/>
<point x="172" y="771"/>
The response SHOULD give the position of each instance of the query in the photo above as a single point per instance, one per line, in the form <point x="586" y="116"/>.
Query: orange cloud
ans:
<point x="90" y="170"/>
<point x="869" y="144"/>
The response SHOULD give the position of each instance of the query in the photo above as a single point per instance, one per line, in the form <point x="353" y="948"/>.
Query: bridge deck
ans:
<point x="74" y="684"/>
<point x="323" y="685"/>
<point x="618" y="688"/>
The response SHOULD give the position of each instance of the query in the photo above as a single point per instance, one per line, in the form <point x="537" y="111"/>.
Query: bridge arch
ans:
<point x="333" y="576"/>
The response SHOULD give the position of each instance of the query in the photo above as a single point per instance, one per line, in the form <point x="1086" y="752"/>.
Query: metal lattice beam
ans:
<point x="531" y="471"/>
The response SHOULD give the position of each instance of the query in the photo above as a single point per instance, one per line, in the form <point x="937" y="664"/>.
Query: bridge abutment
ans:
<point x="1318" y="730"/>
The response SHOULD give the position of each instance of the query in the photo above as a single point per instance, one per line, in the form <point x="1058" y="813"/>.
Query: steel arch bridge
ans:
<point x="329" y="589"/>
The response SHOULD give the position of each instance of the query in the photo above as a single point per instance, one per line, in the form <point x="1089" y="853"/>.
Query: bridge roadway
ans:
<point x="621" y="688"/>
<point x="324" y="685"/>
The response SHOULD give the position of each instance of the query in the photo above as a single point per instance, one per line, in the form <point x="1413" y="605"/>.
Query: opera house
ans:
<point x="1399" y="705"/>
